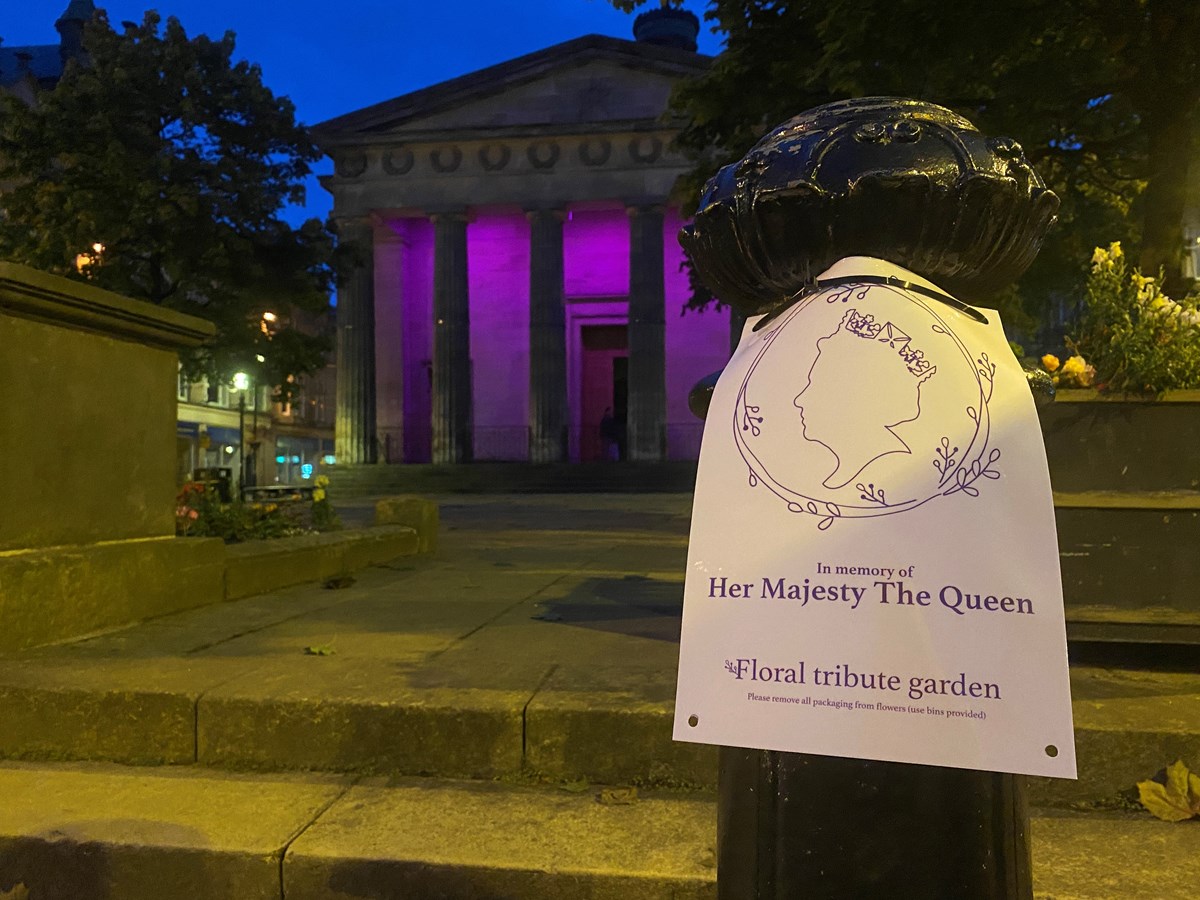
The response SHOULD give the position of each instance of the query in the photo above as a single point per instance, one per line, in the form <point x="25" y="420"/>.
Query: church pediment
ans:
<point x="586" y="82"/>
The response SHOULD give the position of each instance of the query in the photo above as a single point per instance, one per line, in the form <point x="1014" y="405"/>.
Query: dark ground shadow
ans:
<point x="634" y="605"/>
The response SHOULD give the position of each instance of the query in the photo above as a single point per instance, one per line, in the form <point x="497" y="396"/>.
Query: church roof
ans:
<point x="79" y="10"/>
<point x="497" y="79"/>
<point x="43" y="61"/>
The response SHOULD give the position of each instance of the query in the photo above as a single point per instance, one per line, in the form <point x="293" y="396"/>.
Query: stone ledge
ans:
<point x="259" y="567"/>
<point x="414" y="512"/>
<point x="52" y="594"/>
<point x="1083" y="395"/>
<point x="63" y="302"/>
<point x="59" y="593"/>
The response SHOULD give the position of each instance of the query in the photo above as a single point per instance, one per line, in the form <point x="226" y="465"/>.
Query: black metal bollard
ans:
<point x="916" y="185"/>
<point x="794" y="825"/>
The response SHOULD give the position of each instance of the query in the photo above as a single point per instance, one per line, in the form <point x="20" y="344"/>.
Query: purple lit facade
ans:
<point x="515" y="340"/>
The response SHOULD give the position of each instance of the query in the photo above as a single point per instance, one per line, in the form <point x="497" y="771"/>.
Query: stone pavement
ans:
<point x="492" y="721"/>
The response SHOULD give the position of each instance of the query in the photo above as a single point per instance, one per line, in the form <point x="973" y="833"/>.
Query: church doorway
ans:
<point x="603" y="392"/>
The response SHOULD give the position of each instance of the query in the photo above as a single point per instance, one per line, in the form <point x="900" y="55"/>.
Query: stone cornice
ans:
<point x="509" y="132"/>
<point x="33" y="294"/>
<point x="434" y="162"/>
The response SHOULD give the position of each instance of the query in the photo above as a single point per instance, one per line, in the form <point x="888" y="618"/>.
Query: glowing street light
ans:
<point x="86" y="260"/>
<point x="241" y="382"/>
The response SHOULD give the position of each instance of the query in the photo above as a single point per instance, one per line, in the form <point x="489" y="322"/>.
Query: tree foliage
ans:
<point x="176" y="160"/>
<point x="1102" y="94"/>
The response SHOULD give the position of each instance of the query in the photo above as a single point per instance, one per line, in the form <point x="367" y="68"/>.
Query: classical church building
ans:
<point x="520" y="288"/>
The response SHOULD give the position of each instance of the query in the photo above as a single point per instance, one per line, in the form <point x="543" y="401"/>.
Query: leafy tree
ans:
<point x="1102" y="94"/>
<point x="173" y="161"/>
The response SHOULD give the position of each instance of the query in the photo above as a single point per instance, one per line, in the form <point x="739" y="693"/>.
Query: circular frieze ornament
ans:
<point x="494" y="157"/>
<point x="398" y="162"/>
<point x="832" y="453"/>
<point x="352" y="165"/>
<point x="445" y="159"/>
<point x="595" y="152"/>
<point x="543" y="154"/>
<point x="645" y="149"/>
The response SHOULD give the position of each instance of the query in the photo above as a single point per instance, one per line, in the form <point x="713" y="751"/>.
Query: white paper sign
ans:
<point x="873" y="565"/>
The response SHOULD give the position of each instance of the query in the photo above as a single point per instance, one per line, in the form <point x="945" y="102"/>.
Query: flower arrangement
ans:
<point x="323" y="516"/>
<point x="199" y="512"/>
<point x="1131" y="337"/>
<point x="1075" y="372"/>
<point x="187" y="507"/>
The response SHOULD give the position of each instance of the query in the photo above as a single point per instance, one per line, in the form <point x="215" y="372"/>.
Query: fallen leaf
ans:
<point x="320" y="650"/>
<point x="617" y="796"/>
<point x="1175" y="801"/>
<point x="18" y="892"/>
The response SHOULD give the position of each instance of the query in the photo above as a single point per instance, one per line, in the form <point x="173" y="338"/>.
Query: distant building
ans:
<point x="26" y="70"/>
<point x="522" y="294"/>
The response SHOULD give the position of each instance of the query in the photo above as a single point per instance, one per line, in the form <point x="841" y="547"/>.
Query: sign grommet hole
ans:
<point x="693" y="720"/>
<point x="1051" y="751"/>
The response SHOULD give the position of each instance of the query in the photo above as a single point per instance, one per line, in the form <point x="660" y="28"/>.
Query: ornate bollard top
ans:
<point x="901" y="180"/>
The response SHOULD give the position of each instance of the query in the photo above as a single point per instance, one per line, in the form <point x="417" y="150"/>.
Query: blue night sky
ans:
<point x="331" y="58"/>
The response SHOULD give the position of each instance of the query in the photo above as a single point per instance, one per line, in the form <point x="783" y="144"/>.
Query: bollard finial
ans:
<point x="906" y="181"/>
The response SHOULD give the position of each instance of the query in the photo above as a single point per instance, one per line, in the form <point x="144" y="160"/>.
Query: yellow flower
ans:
<point x="1141" y="280"/>
<point x="1115" y="251"/>
<point x="1050" y="361"/>
<point x="318" y="495"/>
<point x="321" y="481"/>
<point x="1099" y="255"/>
<point x="1074" y="366"/>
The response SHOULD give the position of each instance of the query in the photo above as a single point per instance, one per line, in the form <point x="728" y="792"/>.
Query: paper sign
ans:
<point x="873" y="565"/>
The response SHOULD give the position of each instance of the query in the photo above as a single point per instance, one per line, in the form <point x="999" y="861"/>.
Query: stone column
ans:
<point x="452" y="438"/>
<point x="646" y="424"/>
<point x="547" y="339"/>
<point x="355" y="424"/>
<point x="389" y="344"/>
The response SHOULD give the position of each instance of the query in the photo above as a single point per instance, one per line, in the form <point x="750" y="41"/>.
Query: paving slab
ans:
<point x="1113" y="856"/>
<point x="467" y="841"/>
<point x="101" y="832"/>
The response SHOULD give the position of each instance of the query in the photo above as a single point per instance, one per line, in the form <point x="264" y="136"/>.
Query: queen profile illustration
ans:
<point x="858" y="437"/>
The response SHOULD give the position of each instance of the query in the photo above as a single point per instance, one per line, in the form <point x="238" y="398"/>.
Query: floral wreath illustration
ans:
<point x="958" y="468"/>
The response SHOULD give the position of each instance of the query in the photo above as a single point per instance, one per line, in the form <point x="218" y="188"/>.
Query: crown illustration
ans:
<point x="865" y="326"/>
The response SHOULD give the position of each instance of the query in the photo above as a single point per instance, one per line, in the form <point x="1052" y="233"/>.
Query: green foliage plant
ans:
<point x="199" y="512"/>
<point x="324" y="518"/>
<point x="1104" y="98"/>
<point x="1136" y="338"/>
<point x="157" y="167"/>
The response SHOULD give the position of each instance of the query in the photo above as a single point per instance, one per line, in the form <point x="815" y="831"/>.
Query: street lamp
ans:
<point x="241" y="381"/>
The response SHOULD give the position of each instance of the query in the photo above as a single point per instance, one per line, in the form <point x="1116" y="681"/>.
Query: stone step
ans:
<point x="1129" y="565"/>
<point x="357" y="716"/>
<point x="84" y="831"/>
<point x="542" y="646"/>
